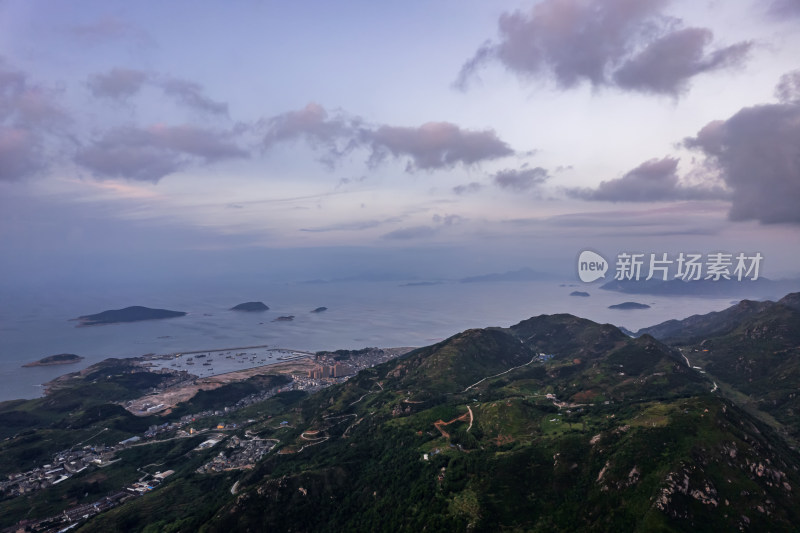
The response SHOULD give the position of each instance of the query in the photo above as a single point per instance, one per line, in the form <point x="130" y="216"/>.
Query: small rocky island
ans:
<point x="134" y="313"/>
<point x="58" y="359"/>
<point x="629" y="305"/>
<point x="579" y="293"/>
<point x="251" y="307"/>
<point x="319" y="309"/>
<point x="287" y="318"/>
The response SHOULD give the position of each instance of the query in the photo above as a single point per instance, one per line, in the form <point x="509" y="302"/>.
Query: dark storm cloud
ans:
<point x="620" y="43"/>
<point x="520" y="180"/>
<point x="788" y="89"/>
<point x="655" y="180"/>
<point x="28" y="115"/>
<point x="667" y="65"/>
<point x="757" y="152"/>
<point x="150" y="154"/>
<point x="434" y="145"/>
<point x="118" y="83"/>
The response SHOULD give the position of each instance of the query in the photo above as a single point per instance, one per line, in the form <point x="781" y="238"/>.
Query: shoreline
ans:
<point x="192" y="352"/>
<point x="164" y="401"/>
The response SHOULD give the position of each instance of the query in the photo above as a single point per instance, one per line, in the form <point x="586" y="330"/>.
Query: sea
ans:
<point x="39" y="323"/>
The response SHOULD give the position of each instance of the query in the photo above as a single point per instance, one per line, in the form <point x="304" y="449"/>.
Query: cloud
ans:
<point x="352" y="226"/>
<point x="623" y="43"/>
<point x="28" y="116"/>
<point x="788" y="88"/>
<point x="191" y="95"/>
<point x="23" y="104"/>
<point x="785" y="8"/>
<point x="152" y="153"/>
<point x="312" y="123"/>
<point x="667" y="64"/>
<point x="448" y="220"/>
<point x="414" y="232"/>
<point x="118" y="83"/>
<point x="345" y="226"/>
<point x="122" y="83"/>
<point x="434" y="145"/>
<point x="520" y="180"/>
<point x="655" y="180"/>
<point x="757" y="152"/>
<point x="19" y="154"/>
<point x="468" y="188"/>
<point x="336" y="135"/>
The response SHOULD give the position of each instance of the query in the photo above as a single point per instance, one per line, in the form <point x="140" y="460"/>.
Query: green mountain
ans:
<point x="554" y="424"/>
<point x="697" y="327"/>
<point x="752" y="351"/>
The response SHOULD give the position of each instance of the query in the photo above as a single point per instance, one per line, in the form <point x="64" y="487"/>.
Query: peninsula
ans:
<point x="134" y="313"/>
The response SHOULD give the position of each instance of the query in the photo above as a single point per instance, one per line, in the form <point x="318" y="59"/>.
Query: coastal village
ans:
<point x="240" y="448"/>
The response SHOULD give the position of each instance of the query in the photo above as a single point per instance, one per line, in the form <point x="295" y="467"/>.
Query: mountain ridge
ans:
<point x="556" y="423"/>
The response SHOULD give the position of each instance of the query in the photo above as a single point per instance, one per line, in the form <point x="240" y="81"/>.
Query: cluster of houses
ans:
<point x="64" y="465"/>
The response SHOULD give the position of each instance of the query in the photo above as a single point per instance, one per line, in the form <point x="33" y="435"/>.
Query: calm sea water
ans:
<point x="383" y="314"/>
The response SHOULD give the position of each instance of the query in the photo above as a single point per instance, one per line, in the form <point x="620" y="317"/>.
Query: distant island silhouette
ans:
<point x="629" y="305"/>
<point x="134" y="313"/>
<point x="251" y="306"/>
<point x="58" y="359"/>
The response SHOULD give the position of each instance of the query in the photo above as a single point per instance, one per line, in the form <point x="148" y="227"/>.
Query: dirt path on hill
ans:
<point x="439" y="424"/>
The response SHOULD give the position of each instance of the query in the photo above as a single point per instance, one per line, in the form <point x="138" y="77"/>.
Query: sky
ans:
<point x="414" y="140"/>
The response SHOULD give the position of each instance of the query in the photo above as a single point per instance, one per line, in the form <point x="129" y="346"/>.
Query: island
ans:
<point x="134" y="313"/>
<point x="579" y="293"/>
<point x="58" y="359"/>
<point x="251" y="307"/>
<point x="629" y="305"/>
<point x="319" y="309"/>
<point x="284" y="318"/>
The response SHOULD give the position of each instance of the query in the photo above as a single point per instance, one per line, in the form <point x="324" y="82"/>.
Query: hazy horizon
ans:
<point x="158" y="143"/>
